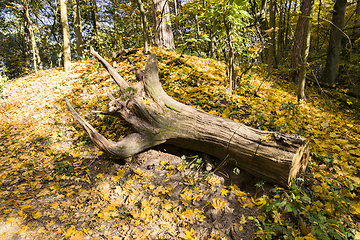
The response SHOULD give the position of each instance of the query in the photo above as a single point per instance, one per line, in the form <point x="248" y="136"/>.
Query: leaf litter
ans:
<point x="55" y="184"/>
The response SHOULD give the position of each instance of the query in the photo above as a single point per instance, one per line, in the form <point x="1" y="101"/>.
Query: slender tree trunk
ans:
<point x="330" y="73"/>
<point x="357" y="20"/>
<point x="115" y="26"/>
<point x="38" y="58"/>
<point x="298" y="42"/>
<point x="305" y="53"/>
<point x="230" y="59"/>
<point x="197" y="32"/>
<point x="271" y="49"/>
<point x="212" y="44"/>
<point x="164" y="37"/>
<point x="144" y="26"/>
<point x="95" y="19"/>
<point x="66" y="36"/>
<point x="26" y="41"/>
<point x="280" y="37"/>
<point x="32" y="36"/>
<point x="288" y="27"/>
<point x="77" y="27"/>
<point x="318" y="28"/>
<point x="178" y="34"/>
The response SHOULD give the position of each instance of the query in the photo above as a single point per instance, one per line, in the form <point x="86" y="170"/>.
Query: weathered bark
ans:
<point x="330" y="73"/>
<point x="305" y="53"/>
<point x="157" y="118"/>
<point x="164" y="37"/>
<point x="66" y="36"/>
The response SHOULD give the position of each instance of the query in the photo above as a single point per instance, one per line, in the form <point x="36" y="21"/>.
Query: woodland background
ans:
<point x="288" y="66"/>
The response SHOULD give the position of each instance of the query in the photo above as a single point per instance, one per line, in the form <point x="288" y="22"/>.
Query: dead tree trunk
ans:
<point x="157" y="118"/>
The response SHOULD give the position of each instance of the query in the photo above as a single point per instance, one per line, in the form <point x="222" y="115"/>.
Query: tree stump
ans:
<point x="157" y="118"/>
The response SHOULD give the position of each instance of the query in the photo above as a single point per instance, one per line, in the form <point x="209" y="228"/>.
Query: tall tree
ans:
<point x="95" y="20"/>
<point x="330" y="73"/>
<point x="144" y="24"/>
<point x="27" y="51"/>
<point x="271" y="49"/>
<point x="357" y="20"/>
<point x="305" y="52"/>
<point x="30" y="30"/>
<point x="164" y="37"/>
<point x="66" y="36"/>
<point x="77" y="27"/>
<point x="298" y="42"/>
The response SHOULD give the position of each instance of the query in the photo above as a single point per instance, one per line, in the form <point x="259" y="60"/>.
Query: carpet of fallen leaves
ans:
<point x="55" y="184"/>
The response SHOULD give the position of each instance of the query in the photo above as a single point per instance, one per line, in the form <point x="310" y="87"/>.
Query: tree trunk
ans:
<point x="280" y="36"/>
<point x="330" y="73"/>
<point x="298" y="42"/>
<point x="357" y="20"/>
<point x="32" y="36"/>
<point x="144" y="24"/>
<point x="305" y="53"/>
<point x="157" y="118"/>
<point x="271" y="49"/>
<point x="164" y="37"/>
<point x="26" y="42"/>
<point x="230" y="58"/>
<point x="66" y="36"/>
<point x="77" y="27"/>
<point x="95" y="19"/>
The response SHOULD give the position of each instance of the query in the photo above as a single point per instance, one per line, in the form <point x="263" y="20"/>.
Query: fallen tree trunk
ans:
<point x="157" y="118"/>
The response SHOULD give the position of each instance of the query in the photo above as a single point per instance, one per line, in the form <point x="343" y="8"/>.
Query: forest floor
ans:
<point x="55" y="184"/>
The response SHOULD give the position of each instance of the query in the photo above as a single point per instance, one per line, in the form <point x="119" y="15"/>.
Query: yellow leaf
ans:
<point x="167" y="206"/>
<point x="213" y="180"/>
<point x="36" y="215"/>
<point x="224" y="192"/>
<point x="100" y="176"/>
<point x="77" y="236"/>
<point x="242" y="219"/>
<point x="190" y="235"/>
<point x="310" y="237"/>
<point x="25" y="207"/>
<point x="145" y="212"/>
<point x="187" y="214"/>
<point x="355" y="208"/>
<point x="63" y="217"/>
<point x="163" y="163"/>
<point x="54" y="205"/>
<point x="105" y="215"/>
<point x="260" y="201"/>
<point x="218" y="203"/>
<point x="121" y="172"/>
<point x="226" y="112"/>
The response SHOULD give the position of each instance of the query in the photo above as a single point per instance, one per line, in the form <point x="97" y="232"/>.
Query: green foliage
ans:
<point x="64" y="167"/>
<point x="320" y="210"/>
